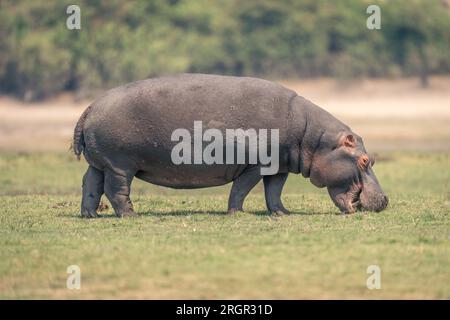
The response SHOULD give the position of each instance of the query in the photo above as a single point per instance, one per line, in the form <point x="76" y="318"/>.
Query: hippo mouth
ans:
<point x="354" y="198"/>
<point x="350" y="202"/>
<point x="358" y="198"/>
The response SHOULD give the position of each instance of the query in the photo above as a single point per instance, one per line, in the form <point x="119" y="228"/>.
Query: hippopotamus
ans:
<point x="129" y="132"/>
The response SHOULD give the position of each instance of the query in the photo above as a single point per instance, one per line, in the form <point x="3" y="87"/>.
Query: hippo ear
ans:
<point x="348" y="140"/>
<point x="363" y="161"/>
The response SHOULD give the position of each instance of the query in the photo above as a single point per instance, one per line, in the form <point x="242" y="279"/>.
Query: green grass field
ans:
<point x="183" y="245"/>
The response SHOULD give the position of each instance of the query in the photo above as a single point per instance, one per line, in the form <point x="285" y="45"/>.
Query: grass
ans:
<point x="184" y="246"/>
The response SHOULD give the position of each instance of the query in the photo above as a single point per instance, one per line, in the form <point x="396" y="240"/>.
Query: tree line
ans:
<point x="123" y="41"/>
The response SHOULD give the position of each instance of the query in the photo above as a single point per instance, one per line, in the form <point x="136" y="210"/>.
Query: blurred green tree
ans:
<point x="123" y="41"/>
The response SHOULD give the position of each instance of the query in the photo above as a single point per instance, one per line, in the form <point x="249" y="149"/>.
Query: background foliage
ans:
<point x="122" y="41"/>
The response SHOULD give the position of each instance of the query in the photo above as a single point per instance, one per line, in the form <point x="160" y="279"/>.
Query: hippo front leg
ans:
<point x="241" y="188"/>
<point x="273" y="185"/>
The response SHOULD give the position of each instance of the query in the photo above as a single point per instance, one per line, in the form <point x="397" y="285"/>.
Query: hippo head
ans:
<point x="342" y="164"/>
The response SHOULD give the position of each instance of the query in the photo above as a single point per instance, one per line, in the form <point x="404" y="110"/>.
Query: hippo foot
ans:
<point x="89" y="214"/>
<point x="280" y="212"/>
<point x="234" y="210"/>
<point x="128" y="214"/>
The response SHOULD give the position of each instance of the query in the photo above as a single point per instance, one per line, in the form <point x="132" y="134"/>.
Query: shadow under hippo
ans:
<point x="129" y="132"/>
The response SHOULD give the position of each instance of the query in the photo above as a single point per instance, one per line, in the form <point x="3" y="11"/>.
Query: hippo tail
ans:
<point x="78" y="135"/>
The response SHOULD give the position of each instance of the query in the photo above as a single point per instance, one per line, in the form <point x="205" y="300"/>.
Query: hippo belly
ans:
<point x="190" y="176"/>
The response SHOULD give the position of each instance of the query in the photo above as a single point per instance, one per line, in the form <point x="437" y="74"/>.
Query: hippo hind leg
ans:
<point x="273" y="186"/>
<point x="117" y="190"/>
<point x="241" y="188"/>
<point x="92" y="192"/>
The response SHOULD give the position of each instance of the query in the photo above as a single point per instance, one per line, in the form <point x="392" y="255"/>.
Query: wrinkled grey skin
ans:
<point x="126" y="133"/>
